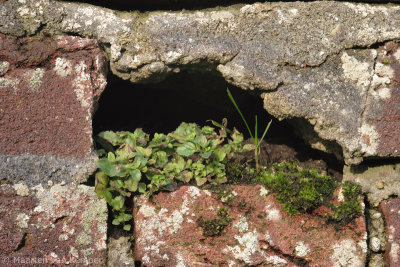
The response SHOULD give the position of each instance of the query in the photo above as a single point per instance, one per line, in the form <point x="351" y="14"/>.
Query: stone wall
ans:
<point x="332" y="68"/>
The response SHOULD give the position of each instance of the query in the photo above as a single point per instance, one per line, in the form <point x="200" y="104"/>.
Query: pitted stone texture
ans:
<point x="119" y="249"/>
<point x="391" y="211"/>
<point x="57" y="225"/>
<point x="260" y="233"/>
<point x="376" y="228"/>
<point x="299" y="53"/>
<point x="33" y="170"/>
<point x="48" y="94"/>
<point x="378" y="182"/>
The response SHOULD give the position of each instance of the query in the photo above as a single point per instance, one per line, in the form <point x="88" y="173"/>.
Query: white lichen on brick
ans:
<point x="68" y="228"/>
<point x="21" y="189"/>
<point x="242" y="224"/>
<point x="345" y="254"/>
<point x="380" y="81"/>
<point x="81" y="84"/>
<point x="301" y="250"/>
<point x="35" y="80"/>
<point x="363" y="243"/>
<point x="356" y="71"/>
<point x="180" y="262"/>
<point x="54" y="255"/>
<point x="74" y="252"/>
<point x="63" y="237"/>
<point x="273" y="214"/>
<point x="394" y="252"/>
<point x="151" y="250"/>
<point x="4" y="65"/>
<point x="248" y="246"/>
<point x="9" y="83"/>
<point x="369" y="140"/>
<point x="84" y="239"/>
<point x="22" y="220"/>
<point x="100" y="81"/>
<point x="63" y="67"/>
<point x="263" y="191"/>
<point x="275" y="260"/>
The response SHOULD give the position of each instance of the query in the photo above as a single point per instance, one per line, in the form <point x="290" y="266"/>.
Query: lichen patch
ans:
<point x="22" y="220"/>
<point x="9" y="83"/>
<point x="242" y="225"/>
<point x="63" y="67"/>
<point x="21" y="189"/>
<point x="272" y="213"/>
<point x="356" y="71"/>
<point x="370" y="139"/>
<point x="81" y="83"/>
<point x="301" y="250"/>
<point x="4" y="65"/>
<point x="36" y="79"/>
<point x="344" y="254"/>
<point x="248" y="246"/>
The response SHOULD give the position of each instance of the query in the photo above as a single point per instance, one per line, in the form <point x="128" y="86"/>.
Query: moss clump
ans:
<point x="300" y="190"/>
<point x="214" y="227"/>
<point x="303" y="190"/>
<point x="351" y="207"/>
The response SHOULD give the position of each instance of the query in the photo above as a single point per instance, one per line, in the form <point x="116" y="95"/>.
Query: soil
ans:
<point x="297" y="151"/>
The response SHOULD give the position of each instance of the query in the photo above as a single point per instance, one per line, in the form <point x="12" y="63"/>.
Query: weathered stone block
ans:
<point x="168" y="232"/>
<point x="48" y="91"/>
<point x="52" y="225"/>
<point x="391" y="211"/>
<point x="378" y="182"/>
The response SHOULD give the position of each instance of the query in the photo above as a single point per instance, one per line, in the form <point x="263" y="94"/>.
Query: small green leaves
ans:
<point x="131" y="163"/>
<point x="117" y="203"/>
<point x="187" y="149"/>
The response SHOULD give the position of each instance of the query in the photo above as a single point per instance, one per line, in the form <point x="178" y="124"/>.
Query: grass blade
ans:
<point x="255" y="133"/>
<point x="240" y="113"/>
<point x="265" y="132"/>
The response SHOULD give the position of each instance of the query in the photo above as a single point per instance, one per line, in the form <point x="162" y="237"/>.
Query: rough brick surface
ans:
<point x="309" y="58"/>
<point x="48" y="88"/>
<point x="167" y="232"/>
<point x="391" y="211"/>
<point x="57" y="225"/>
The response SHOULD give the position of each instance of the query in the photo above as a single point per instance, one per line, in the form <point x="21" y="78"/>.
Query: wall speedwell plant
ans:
<point x="131" y="162"/>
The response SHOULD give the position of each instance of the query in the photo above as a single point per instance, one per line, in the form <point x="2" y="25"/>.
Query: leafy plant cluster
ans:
<point x="303" y="190"/>
<point x="131" y="162"/>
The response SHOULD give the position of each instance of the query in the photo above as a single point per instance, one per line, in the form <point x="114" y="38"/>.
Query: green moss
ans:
<point x="300" y="190"/>
<point x="303" y="190"/>
<point x="235" y="172"/>
<point x="214" y="227"/>
<point x="351" y="207"/>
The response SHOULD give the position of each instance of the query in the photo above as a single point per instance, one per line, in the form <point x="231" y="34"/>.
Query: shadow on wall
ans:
<point x="150" y="5"/>
<point x="191" y="97"/>
<point x="182" y="97"/>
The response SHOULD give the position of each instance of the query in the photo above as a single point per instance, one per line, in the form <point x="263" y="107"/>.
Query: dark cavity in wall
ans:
<point x="193" y="97"/>
<point x="150" y="5"/>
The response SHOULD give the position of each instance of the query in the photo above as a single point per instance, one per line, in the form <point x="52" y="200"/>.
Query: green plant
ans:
<point x="254" y="137"/>
<point x="303" y="190"/>
<point x="131" y="162"/>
